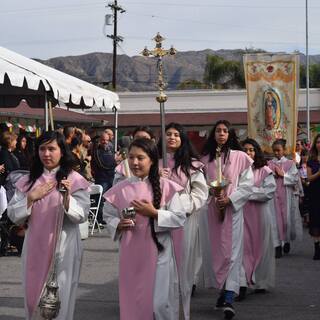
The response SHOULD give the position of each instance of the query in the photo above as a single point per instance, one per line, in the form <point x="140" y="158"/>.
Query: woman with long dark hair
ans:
<point x="21" y="152"/>
<point x="222" y="228"/>
<point x="50" y="196"/>
<point x="258" y="250"/>
<point x="313" y="172"/>
<point x="185" y="169"/>
<point x="140" y="212"/>
<point x="287" y="221"/>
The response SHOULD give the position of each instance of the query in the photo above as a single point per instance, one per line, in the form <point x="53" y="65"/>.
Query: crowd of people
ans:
<point x="216" y="219"/>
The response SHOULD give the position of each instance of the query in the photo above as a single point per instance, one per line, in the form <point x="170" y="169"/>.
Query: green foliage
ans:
<point x="303" y="78"/>
<point x="191" y="84"/>
<point x="214" y="70"/>
<point x="220" y="73"/>
<point x="315" y="75"/>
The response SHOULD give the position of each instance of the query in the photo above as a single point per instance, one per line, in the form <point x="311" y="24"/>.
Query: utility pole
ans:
<point x="307" y="74"/>
<point x="115" y="8"/>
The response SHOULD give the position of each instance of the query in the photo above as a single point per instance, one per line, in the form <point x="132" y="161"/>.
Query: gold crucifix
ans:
<point x="159" y="52"/>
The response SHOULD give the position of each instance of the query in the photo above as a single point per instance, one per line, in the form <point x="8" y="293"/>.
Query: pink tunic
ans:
<point x="42" y="235"/>
<point x="120" y="168"/>
<point x="280" y="198"/>
<point x="138" y="252"/>
<point x="253" y="229"/>
<point x="220" y="233"/>
<point x="180" y="178"/>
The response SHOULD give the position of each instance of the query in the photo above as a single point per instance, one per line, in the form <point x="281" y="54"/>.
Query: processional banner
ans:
<point x="272" y="93"/>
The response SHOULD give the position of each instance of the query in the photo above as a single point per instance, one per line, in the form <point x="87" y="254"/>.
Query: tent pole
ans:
<point x="51" y="116"/>
<point x="46" y="114"/>
<point x="114" y="109"/>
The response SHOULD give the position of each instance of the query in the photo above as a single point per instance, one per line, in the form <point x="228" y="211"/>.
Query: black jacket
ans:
<point x="10" y="162"/>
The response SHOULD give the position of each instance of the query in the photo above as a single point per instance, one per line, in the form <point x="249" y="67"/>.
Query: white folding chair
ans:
<point x="97" y="190"/>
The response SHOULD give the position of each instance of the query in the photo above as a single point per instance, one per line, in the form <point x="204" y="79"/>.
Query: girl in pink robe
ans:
<point x="185" y="168"/>
<point x="38" y="202"/>
<point x="223" y="247"/>
<point x="148" y="280"/>
<point x="287" y="176"/>
<point x="258" y="252"/>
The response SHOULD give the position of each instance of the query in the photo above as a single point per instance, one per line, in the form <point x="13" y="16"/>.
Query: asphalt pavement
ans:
<point x="295" y="297"/>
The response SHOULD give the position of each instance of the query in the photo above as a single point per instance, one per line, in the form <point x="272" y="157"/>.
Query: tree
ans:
<point x="315" y="75"/>
<point x="214" y="70"/>
<point x="302" y="78"/>
<point x="220" y="73"/>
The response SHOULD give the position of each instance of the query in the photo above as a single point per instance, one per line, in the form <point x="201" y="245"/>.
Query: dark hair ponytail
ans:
<point x="150" y="148"/>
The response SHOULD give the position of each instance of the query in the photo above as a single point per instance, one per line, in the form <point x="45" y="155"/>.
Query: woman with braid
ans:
<point x="185" y="169"/>
<point x="148" y="279"/>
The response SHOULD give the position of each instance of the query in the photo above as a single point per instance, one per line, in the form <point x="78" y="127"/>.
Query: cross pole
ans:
<point x="158" y="52"/>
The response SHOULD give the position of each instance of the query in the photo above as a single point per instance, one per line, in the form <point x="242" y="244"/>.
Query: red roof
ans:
<point x="62" y="115"/>
<point x="192" y="119"/>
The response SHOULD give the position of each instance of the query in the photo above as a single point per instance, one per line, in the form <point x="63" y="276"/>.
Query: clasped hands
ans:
<point x="222" y="200"/>
<point x="278" y="172"/>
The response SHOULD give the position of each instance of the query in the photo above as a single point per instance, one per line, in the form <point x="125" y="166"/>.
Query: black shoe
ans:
<point x="220" y="303"/>
<point x="193" y="290"/>
<point x="260" y="291"/>
<point x="278" y="252"/>
<point x="316" y="251"/>
<point x="228" y="311"/>
<point x="242" y="294"/>
<point x="286" y="247"/>
<point x="102" y="222"/>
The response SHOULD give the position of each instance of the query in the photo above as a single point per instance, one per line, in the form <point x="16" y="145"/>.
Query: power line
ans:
<point x="193" y="5"/>
<point x="185" y="5"/>
<point x="218" y="24"/>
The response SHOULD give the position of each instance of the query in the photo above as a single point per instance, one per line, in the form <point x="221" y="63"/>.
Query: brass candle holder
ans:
<point x="221" y="183"/>
<point x="218" y="187"/>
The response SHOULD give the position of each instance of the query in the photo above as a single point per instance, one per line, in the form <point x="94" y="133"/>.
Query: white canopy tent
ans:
<point x="20" y="73"/>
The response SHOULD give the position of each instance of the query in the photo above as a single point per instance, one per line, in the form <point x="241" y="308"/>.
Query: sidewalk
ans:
<point x="296" y="297"/>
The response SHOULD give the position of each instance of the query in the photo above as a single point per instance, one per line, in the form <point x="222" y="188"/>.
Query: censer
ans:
<point x="50" y="302"/>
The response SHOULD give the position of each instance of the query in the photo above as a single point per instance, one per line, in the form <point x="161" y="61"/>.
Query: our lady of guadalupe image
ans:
<point x="272" y="109"/>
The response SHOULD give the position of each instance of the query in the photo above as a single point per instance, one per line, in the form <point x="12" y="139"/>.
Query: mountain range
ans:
<point x="139" y="73"/>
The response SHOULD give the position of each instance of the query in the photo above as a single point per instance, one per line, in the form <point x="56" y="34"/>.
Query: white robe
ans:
<point x="294" y="226"/>
<point x="192" y="199"/>
<point x="264" y="275"/>
<point x="238" y="199"/>
<point x="166" y="290"/>
<point x="70" y="248"/>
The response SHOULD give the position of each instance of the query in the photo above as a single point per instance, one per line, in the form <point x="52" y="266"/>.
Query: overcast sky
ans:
<point x="45" y="29"/>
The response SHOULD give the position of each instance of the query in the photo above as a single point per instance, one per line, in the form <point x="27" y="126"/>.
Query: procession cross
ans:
<point x="158" y="52"/>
